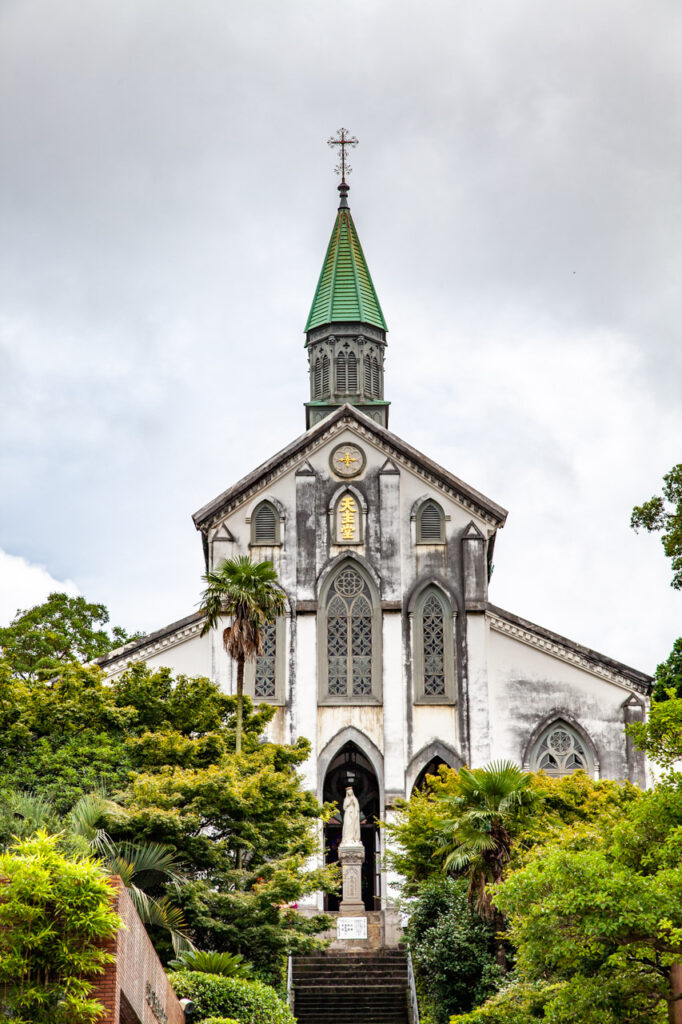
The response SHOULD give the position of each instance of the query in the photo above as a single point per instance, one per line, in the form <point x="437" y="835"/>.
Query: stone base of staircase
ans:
<point x="364" y="987"/>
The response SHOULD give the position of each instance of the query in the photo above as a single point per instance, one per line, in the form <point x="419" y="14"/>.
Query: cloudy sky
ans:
<point x="167" y="199"/>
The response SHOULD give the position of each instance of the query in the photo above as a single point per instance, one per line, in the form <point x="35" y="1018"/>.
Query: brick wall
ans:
<point x="135" y="988"/>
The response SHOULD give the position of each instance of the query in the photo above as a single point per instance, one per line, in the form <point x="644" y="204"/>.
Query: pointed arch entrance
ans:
<point x="351" y="767"/>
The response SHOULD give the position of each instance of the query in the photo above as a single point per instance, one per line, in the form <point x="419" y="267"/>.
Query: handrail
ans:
<point x="413" y="1011"/>
<point x="290" y="982"/>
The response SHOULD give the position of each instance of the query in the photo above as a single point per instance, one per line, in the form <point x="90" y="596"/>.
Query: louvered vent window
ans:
<point x="368" y="377"/>
<point x="265" y="524"/>
<point x="325" y="375"/>
<point x="375" y="379"/>
<point x="430" y="524"/>
<point x="341" y="372"/>
<point x="352" y="373"/>
<point x="317" y="379"/>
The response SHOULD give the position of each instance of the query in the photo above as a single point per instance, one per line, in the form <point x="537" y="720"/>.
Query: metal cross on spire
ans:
<point x="343" y="139"/>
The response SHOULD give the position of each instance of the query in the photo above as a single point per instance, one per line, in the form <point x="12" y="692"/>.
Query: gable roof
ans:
<point x="393" y="446"/>
<point x="345" y="292"/>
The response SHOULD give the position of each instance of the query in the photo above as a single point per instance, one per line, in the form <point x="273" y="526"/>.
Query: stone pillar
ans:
<point x="351" y="858"/>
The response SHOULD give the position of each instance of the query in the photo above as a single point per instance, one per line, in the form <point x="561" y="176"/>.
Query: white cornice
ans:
<point x="120" y="661"/>
<point x="365" y="432"/>
<point x="564" y="653"/>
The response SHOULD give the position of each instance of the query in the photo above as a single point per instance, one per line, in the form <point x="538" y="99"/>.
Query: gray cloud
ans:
<point x="167" y="200"/>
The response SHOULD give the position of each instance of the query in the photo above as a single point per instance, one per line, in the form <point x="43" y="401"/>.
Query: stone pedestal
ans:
<point x="351" y="858"/>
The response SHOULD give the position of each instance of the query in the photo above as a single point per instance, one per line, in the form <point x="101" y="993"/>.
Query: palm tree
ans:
<point x="476" y="838"/>
<point x="140" y="865"/>
<point x="248" y="592"/>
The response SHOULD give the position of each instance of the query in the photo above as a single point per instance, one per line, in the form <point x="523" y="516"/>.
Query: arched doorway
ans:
<point x="350" y="767"/>
<point x="429" y="769"/>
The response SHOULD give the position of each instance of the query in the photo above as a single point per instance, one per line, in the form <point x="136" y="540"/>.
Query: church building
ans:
<point x="391" y="658"/>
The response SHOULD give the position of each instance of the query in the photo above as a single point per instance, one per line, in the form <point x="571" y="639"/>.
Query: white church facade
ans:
<point x="391" y="658"/>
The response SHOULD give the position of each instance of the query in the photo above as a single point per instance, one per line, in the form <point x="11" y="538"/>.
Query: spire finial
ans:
<point x="343" y="139"/>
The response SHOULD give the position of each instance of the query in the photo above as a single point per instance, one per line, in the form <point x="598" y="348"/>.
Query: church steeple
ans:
<point x="346" y="330"/>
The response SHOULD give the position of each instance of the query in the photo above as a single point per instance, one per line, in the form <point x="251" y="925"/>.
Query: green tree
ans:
<point x="476" y="837"/>
<point x="453" y="949"/>
<point x="247" y="592"/>
<point x="663" y="514"/>
<point x="54" y="915"/>
<point x="245" y="831"/>
<point x="40" y="641"/>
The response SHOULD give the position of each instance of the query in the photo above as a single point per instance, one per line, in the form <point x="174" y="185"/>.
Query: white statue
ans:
<point x="351" y="818"/>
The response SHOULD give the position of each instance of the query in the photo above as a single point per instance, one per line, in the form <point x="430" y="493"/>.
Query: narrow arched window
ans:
<point x="560" y="751"/>
<point x="341" y="372"/>
<point x="376" y="390"/>
<point x="265" y="682"/>
<point x="317" y="379"/>
<point x="265" y="524"/>
<point x="434" y="648"/>
<point x="325" y="374"/>
<point x="430" y="523"/>
<point x="352" y="373"/>
<point x="264" y="676"/>
<point x="368" y="377"/>
<point x="349" y="636"/>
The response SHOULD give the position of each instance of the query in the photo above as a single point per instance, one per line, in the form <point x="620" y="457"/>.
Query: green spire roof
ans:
<point x="345" y="291"/>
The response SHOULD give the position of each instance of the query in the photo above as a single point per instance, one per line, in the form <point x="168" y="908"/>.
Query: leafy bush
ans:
<point x="249" y="1002"/>
<point x="452" y="949"/>
<point x="210" y="962"/>
<point x="218" y="1020"/>
<point x="54" y="915"/>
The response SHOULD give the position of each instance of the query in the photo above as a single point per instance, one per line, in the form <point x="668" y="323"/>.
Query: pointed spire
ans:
<point x="345" y="291"/>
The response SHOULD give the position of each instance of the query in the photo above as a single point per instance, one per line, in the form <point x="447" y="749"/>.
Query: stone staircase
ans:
<point x="351" y="988"/>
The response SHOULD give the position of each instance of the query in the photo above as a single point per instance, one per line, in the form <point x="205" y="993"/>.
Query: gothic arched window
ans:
<point x="560" y="751"/>
<point x="434" y="648"/>
<point x="350" y="638"/>
<point x="264" y="676"/>
<point x="352" y="373"/>
<point x="341" y="372"/>
<point x="265" y="524"/>
<point x="430" y="523"/>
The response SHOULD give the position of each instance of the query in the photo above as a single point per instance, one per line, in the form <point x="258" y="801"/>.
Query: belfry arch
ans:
<point x="351" y="766"/>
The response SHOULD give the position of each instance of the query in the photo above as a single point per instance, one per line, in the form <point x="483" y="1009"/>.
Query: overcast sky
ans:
<point x="167" y="198"/>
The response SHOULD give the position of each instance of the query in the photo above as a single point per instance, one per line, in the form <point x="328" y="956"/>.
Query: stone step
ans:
<point x="351" y="988"/>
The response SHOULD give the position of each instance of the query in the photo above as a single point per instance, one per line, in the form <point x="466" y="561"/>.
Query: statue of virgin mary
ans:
<point x="350" y="832"/>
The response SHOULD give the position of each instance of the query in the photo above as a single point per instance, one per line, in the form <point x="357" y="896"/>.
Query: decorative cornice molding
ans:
<point x="118" y="660"/>
<point x="365" y="432"/>
<point x="564" y="653"/>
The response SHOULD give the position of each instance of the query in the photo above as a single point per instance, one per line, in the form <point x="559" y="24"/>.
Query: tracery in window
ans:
<point x="265" y="522"/>
<point x="560" y="752"/>
<point x="433" y="635"/>
<point x="265" y="683"/>
<point x="349" y="636"/>
<point x="434" y="648"/>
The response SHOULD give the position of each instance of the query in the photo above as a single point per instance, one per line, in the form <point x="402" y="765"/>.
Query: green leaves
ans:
<point x="54" y="915"/>
<point x="64" y="629"/>
<point x="655" y="516"/>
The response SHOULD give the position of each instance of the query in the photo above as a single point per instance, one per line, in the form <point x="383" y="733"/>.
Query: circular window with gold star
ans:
<point x="347" y="460"/>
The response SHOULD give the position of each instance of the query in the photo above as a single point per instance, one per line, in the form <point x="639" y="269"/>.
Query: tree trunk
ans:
<point x="240" y="705"/>
<point x="500" y="943"/>
<point x="675" y="1001"/>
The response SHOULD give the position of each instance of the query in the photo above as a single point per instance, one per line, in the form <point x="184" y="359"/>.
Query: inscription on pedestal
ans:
<point x="351" y="927"/>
